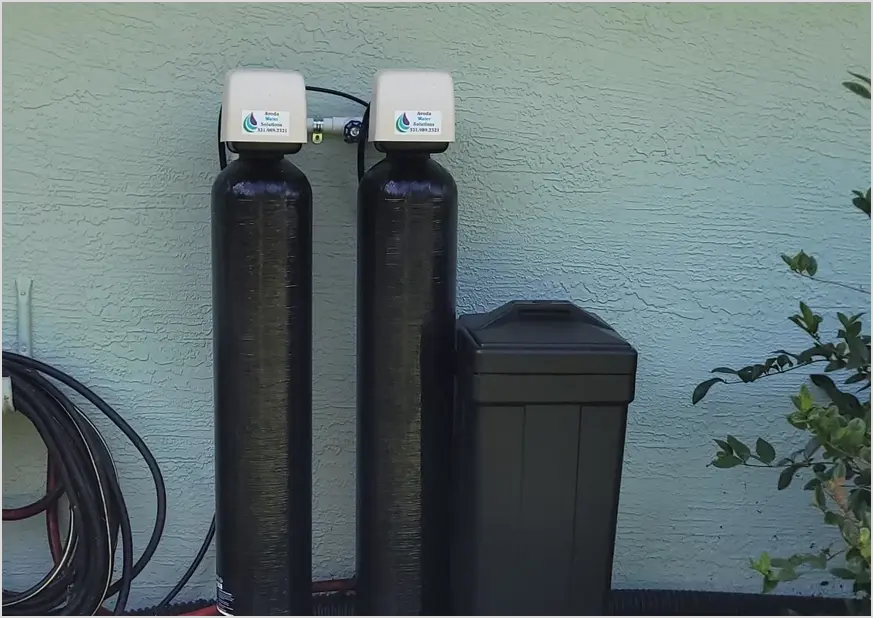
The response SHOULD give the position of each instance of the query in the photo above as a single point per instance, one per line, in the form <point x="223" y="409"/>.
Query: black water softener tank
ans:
<point x="543" y="394"/>
<point x="407" y="227"/>
<point x="261" y="269"/>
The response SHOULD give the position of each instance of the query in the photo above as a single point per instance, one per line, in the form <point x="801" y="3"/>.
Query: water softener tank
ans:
<point x="407" y="228"/>
<point x="262" y="296"/>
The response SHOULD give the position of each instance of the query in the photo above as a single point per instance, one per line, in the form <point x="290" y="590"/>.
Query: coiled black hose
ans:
<point x="81" y="579"/>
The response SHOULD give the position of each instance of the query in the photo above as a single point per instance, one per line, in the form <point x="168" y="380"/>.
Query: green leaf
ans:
<point x="812" y="266"/>
<point x="843" y="573"/>
<point x="804" y="399"/>
<point x="858" y="352"/>
<point x="740" y="450"/>
<point x="786" y="575"/>
<point x="762" y="564"/>
<point x="727" y="461"/>
<point x="857" y="89"/>
<point x="812" y="484"/>
<point x="858" y="377"/>
<point x="807" y="313"/>
<point x="703" y="388"/>
<point x="765" y="451"/>
<point x="725" y="447"/>
<point x="787" y="476"/>
<point x="818" y="496"/>
<point x="769" y="585"/>
<point x="858" y="503"/>
<point x="838" y="471"/>
<point x="812" y="445"/>
<point x="816" y="561"/>
<point x="807" y="355"/>
<point x="846" y="402"/>
<point x="832" y="519"/>
<point x="785" y="352"/>
<point x="834" y="365"/>
<point x="863" y="78"/>
<point x="862" y="204"/>
<point x="782" y="360"/>
<point x="724" y="370"/>
<point x="750" y="373"/>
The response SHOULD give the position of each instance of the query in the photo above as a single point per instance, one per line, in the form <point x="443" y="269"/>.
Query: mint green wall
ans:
<point x="648" y="162"/>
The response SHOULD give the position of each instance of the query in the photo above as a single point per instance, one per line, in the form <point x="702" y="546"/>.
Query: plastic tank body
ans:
<point x="407" y="244"/>
<point x="262" y="279"/>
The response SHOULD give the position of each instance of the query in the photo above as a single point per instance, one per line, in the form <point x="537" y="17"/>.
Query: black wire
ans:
<point x="362" y="136"/>
<point x="222" y="151"/>
<point x="338" y="93"/>
<point x="362" y="142"/>
<point x="81" y="582"/>
<point x="164" y="604"/>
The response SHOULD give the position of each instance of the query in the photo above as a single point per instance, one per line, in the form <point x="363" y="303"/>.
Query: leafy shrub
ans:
<point x="835" y="460"/>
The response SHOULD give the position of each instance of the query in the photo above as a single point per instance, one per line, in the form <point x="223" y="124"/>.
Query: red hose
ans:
<point x="206" y="611"/>
<point x="53" y="531"/>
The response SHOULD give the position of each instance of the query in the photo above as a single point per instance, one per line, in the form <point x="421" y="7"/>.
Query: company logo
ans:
<point x="402" y="124"/>
<point x="250" y="125"/>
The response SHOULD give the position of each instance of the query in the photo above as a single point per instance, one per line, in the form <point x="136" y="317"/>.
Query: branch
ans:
<point x="781" y="372"/>
<point x="837" y="283"/>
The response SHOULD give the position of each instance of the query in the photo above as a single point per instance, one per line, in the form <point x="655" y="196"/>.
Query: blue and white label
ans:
<point x="416" y="122"/>
<point x="259" y="122"/>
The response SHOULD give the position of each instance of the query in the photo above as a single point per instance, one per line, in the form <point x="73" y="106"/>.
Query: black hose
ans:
<point x="362" y="142"/>
<point x="338" y="93"/>
<point x="222" y="149"/>
<point x="164" y="606"/>
<point x="365" y="123"/>
<point x="81" y="581"/>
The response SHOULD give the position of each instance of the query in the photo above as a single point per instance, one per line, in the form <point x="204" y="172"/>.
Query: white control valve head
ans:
<point x="264" y="109"/>
<point x="410" y="107"/>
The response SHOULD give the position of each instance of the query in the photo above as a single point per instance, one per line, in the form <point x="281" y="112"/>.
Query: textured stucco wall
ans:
<point x="648" y="162"/>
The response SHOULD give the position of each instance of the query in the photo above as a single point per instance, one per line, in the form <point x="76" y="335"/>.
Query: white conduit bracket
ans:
<point x="8" y="403"/>
<point x="25" y="329"/>
<point x="23" y="286"/>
